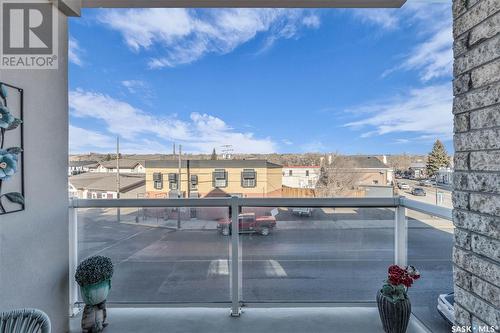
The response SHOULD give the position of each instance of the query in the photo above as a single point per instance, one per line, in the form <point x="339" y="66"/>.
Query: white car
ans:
<point x="302" y="211"/>
<point x="445" y="307"/>
<point x="403" y="186"/>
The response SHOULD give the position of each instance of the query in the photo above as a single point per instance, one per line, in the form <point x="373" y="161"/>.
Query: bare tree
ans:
<point x="340" y="178"/>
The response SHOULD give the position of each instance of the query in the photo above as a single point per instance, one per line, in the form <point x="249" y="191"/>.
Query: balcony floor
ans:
<point x="275" y="320"/>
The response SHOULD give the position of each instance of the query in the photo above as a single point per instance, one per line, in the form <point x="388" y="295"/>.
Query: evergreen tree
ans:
<point x="437" y="158"/>
<point x="108" y="157"/>
<point x="214" y="155"/>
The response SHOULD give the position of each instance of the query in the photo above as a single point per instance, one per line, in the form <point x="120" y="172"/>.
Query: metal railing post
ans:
<point x="73" y="260"/>
<point x="400" y="236"/>
<point x="235" y="259"/>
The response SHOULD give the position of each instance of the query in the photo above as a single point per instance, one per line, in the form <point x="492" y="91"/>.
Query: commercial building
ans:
<point x="213" y="178"/>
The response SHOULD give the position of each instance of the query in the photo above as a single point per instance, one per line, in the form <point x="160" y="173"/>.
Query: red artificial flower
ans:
<point x="405" y="276"/>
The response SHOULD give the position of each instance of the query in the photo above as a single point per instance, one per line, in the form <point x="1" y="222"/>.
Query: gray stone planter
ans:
<point x="394" y="316"/>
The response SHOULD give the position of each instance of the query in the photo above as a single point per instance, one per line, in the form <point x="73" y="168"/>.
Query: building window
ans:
<point x="194" y="182"/>
<point x="248" y="178"/>
<point x="219" y="178"/>
<point x="307" y="173"/>
<point x="375" y="182"/>
<point x="290" y="172"/>
<point x="158" y="180"/>
<point x="172" y="181"/>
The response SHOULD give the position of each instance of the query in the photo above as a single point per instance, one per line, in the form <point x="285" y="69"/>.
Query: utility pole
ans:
<point x="179" y="189"/>
<point x="118" y="175"/>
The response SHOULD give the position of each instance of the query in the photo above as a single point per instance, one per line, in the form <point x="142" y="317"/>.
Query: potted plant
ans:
<point x="393" y="303"/>
<point x="94" y="277"/>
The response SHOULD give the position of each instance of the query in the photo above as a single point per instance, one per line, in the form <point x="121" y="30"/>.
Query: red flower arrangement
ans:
<point x="405" y="276"/>
<point x="398" y="281"/>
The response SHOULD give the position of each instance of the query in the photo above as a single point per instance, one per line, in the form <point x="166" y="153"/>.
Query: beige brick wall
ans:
<point x="268" y="181"/>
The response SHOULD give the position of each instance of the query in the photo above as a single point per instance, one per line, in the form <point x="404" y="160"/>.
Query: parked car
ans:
<point x="302" y="212"/>
<point x="419" y="192"/>
<point x="403" y="186"/>
<point x="426" y="182"/>
<point x="248" y="223"/>
<point x="445" y="307"/>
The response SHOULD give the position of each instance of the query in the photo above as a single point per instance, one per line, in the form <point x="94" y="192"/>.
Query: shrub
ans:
<point x="93" y="270"/>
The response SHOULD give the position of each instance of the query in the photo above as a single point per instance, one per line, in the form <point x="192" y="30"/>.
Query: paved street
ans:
<point x="430" y="197"/>
<point x="334" y="256"/>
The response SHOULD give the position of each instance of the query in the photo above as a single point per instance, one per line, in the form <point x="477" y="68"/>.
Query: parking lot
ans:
<point x="337" y="255"/>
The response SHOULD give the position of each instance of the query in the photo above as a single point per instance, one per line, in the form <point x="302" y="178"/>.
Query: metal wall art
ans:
<point x="11" y="149"/>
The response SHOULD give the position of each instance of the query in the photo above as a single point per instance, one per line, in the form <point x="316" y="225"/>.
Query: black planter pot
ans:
<point x="394" y="316"/>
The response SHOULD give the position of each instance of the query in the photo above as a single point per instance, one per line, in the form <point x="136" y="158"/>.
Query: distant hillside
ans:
<point x="400" y="161"/>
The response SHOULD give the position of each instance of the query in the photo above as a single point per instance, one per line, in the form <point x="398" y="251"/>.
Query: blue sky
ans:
<point x="263" y="80"/>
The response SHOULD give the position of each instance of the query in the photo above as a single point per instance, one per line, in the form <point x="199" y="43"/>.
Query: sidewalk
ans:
<point x="198" y="224"/>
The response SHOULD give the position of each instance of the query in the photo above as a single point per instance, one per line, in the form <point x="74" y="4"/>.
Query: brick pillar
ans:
<point x="476" y="196"/>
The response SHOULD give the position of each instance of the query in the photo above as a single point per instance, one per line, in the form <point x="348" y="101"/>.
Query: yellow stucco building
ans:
<point x="213" y="178"/>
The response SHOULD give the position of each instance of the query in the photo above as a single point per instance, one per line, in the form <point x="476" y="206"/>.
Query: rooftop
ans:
<point x="359" y="162"/>
<point x="124" y="163"/>
<point x="417" y="165"/>
<point x="81" y="163"/>
<point x="106" y="181"/>
<point x="212" y="164"/>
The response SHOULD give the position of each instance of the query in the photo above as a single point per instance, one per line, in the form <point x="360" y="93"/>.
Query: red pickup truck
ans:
<point x="248" y="223"/>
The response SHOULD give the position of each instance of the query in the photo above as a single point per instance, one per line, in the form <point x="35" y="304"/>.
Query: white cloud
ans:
<point x="83" y="140"/>
<point x="133" y="85"/>
<point x="425" y="112"/>
<point x="386" y="18"/>
<point x="74" y="52"/>
<point x="200" y="133"/>
<point x="433" y="56"/>
<point x="186" y="35"/>
<point x="313" y="146"/>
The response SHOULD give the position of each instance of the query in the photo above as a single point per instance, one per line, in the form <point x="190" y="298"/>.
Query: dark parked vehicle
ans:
<point x="248" y="223"/>
<point x="419" y="192"/>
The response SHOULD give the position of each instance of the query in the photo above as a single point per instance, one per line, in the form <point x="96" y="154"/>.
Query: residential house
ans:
<point x="213" y="178"/>
<point x="104" y="186"/>
<point x="126" y="166"/>
<point x="76" y="167"/>
<point x="417" y="170"/>
<point x="300" y="176"/>
<point x="445" y="176"/>
<point x="364" y="170"/>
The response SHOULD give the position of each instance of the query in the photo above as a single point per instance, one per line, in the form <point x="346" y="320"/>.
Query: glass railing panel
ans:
<point x="161" y="255"/>
<point x="316" y="254"/>
<point x="430" y="244"/>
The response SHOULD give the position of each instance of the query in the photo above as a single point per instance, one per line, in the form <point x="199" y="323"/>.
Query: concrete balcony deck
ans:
<point x="253" y="320"/>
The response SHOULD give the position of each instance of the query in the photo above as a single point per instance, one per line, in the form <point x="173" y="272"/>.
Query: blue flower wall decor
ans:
<point x="11" y="151"/>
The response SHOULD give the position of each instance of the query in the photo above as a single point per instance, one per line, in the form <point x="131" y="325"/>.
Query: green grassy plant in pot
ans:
<point x="94" y="277"/>
<point x="393" y="303"/>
